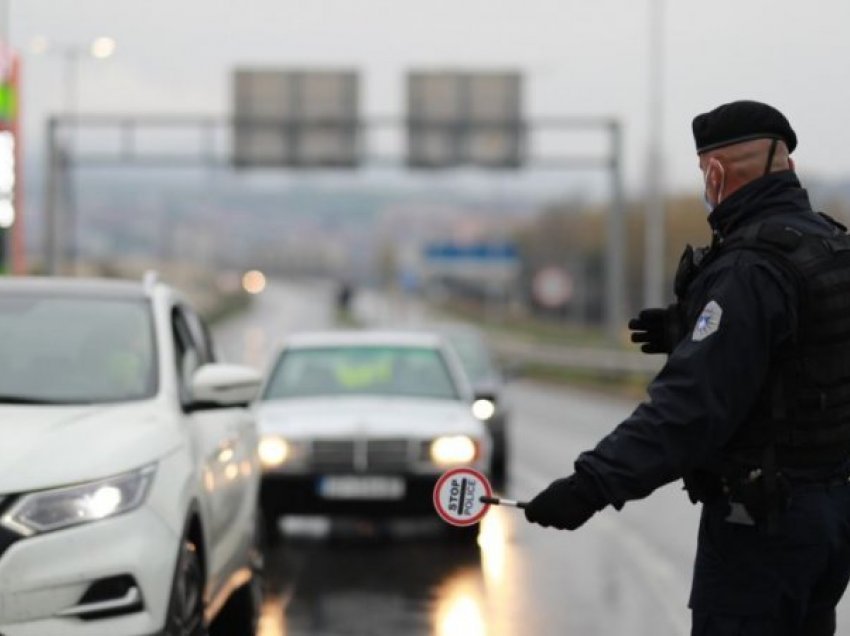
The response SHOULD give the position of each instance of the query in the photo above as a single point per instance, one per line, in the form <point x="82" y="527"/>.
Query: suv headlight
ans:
<point x="483" y="409"/>
<point x="50" y="510"/>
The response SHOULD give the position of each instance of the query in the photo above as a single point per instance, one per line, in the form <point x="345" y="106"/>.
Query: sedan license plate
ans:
<point x="355" y="487"/>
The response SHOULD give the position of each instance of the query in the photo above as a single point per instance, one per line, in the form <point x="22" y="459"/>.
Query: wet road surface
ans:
<point x="622" y="573"/>
<point x="372" y="585"/>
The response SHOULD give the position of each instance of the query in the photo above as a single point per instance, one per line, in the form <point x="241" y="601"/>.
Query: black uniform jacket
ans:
<point x="741" y="309"/>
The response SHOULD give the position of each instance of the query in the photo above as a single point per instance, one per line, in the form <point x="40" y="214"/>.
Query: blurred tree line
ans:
<point x="572" y="235"/>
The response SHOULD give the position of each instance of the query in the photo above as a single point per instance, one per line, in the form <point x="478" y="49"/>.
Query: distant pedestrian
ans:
<point x="344" y="295"/>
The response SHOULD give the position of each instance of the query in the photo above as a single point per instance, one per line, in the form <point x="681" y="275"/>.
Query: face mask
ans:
<point x="709" y="206"/>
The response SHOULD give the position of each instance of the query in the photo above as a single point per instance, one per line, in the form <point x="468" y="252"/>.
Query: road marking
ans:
<point x="660" y="573"/>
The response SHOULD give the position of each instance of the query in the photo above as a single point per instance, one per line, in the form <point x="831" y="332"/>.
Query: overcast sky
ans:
<point x="580" y="56"/>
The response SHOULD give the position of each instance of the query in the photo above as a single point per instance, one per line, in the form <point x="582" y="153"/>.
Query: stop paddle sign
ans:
<point x="462" y="496"/>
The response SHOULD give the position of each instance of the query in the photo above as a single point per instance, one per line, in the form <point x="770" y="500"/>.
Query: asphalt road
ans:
<point x="622" y="573"/>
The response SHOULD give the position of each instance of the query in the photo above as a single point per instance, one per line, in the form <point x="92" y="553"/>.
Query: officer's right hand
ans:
<point x="658" y="330"/>
<point x="560" y="505"/>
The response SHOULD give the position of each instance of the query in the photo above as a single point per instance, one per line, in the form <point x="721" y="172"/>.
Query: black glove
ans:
<point x="562" y="505"/>
<point x="703" y="486"/>
<point x="660" y="330"/>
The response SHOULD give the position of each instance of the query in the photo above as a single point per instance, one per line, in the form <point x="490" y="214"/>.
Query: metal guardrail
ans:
<point x="375" y="309"/>
<point x="582" y="358"/>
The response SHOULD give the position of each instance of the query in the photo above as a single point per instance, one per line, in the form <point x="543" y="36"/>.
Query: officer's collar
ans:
<point x="773" y="193"/>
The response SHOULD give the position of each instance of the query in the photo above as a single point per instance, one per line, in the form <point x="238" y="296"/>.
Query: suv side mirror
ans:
<point x="224" y="385"/>
<point x="484" y="394"/>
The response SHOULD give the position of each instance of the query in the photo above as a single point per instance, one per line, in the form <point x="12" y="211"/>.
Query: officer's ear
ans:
<point x="792" y="165"/>
<point x="716" y="173"/>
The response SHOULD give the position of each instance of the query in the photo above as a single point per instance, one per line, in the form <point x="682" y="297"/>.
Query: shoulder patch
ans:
<point x="708" y="321"/>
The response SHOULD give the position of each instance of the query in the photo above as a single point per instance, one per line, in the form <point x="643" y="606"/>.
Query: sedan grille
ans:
<point x="387" y="455"/>
<point x="333" y="456"/>
<point x="361" y="456"/>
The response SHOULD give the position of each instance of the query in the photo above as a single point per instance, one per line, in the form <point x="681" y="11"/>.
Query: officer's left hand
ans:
<point x="560" y="505"/>
<point x="657" y="330"/>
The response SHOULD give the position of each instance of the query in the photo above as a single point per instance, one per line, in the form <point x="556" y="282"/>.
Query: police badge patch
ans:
<point x="708" y="321"/>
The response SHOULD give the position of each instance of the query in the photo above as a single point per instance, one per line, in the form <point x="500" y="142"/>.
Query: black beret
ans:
<point x="741" y="121"/>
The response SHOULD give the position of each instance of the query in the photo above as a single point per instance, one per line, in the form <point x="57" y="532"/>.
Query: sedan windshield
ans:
<point x="75" y="350"/>
<point x="366" y="370"/>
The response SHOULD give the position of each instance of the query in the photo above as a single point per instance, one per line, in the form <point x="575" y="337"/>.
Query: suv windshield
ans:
<point x="73" y="350"/>
<point x="474" y="356"/>
<point x="367" y="370"/>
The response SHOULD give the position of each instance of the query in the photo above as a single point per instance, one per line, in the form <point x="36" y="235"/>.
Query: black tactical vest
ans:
<point x="803" y="413"/>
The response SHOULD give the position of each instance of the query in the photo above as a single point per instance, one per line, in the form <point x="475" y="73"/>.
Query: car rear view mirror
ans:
<point x="224" y="385"/>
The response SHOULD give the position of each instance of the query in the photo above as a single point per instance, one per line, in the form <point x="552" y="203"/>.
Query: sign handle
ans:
<point x="497" y="501"/>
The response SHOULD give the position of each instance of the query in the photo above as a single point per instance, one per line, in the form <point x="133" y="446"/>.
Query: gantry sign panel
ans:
<point x="295" y="118"/>
<point x="464" y="118"/>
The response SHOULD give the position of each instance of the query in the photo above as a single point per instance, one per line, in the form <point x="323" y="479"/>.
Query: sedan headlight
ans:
<point x="50" y="510"/>
<point x="455" y="449"/>
<point x="273" y="451"/>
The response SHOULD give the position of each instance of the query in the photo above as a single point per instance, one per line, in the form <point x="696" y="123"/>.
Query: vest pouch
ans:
<point x="760" y="502"/>
<point x="689" y="266"/>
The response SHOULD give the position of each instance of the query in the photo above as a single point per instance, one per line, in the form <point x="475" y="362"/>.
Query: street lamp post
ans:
<point x="101" y="48"/>
<point x="654" y="219"/>
<point x="58" y="172"/>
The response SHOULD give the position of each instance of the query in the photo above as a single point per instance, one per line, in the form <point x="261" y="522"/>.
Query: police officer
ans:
<point x="752" y="408"/>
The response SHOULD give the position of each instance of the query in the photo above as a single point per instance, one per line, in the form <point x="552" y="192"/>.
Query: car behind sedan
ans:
<point x="363" y="423"/>
<point x="488" y="384"/>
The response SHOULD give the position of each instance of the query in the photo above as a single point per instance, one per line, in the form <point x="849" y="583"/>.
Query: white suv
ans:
<point x="128" y="465"/>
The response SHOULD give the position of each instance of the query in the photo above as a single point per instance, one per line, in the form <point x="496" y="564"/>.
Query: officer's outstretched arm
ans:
<point x="707" y="388"/>
<point x="699" y="399"/>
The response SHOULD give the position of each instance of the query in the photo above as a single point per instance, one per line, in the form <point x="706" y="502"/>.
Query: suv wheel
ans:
<point x="269" y="524"/>
<point x="499" y="467"/>
<point x="241" y="615"/>
<point x="186" y="606"/>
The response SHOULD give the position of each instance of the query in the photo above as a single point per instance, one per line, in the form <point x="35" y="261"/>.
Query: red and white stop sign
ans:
<point x="457" y="496"/>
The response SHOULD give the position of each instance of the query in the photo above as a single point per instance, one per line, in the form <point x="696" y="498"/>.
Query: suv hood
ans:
<point x="369" y="416"/>
<point x="52" y="446"/>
